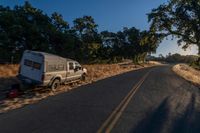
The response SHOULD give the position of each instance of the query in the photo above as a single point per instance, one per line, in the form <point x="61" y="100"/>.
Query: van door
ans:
<point x="70" y="71"/>
<point x="78" y="70"/>
<point x="32" y="69"/>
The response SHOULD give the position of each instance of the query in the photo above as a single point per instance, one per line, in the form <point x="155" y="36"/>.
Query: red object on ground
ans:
<point x="13" y="93"/>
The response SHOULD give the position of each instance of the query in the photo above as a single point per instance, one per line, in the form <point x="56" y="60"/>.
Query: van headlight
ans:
<point x="84" y="70"/>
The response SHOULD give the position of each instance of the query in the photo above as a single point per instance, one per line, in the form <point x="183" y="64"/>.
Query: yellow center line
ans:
<point x="113" y="118"/>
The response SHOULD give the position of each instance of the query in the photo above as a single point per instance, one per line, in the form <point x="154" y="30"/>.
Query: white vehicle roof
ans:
<point x="48" y="56"/>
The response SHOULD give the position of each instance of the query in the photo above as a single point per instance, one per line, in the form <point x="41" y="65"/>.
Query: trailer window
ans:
<point x="51" y="68"/>
<point x="36" y="65"/>
<point x="28" y="63"/>
<point x="71" y="66"/>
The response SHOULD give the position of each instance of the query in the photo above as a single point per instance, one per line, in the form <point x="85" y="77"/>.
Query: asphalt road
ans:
<point x="150" y="100"/>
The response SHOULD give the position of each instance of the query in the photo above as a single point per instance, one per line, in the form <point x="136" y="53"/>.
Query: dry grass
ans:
<point x="95" y="72"/>
<point x="100" y="71"/>
<point x="188" y="73"/>
<point x="8" y="75"/>
<point x="8" y="70"/>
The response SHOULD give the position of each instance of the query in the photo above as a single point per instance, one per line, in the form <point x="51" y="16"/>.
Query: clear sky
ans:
<point x="111" y="15"/>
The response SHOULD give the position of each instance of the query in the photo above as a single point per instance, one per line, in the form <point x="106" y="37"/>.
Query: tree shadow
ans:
<point x="189" y="122"/>
<point x="154" y="122"/>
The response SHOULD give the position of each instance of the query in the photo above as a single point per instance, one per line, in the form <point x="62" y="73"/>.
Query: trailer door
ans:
<point x="32" y="67"/>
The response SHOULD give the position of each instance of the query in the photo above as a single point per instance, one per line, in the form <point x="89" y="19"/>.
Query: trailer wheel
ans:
<point x="55" y="84"/>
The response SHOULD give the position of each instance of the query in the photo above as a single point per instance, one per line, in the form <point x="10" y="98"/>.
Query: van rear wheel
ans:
<point x="55" y="84"/>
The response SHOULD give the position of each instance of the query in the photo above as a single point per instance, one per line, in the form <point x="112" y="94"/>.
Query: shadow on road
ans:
<point x="160" y="120"/>
<point x="154" y="122"/>
<point x="189" y="122"/>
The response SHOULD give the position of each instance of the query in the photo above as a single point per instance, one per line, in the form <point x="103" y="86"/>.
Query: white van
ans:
<point x="44" y="69"/>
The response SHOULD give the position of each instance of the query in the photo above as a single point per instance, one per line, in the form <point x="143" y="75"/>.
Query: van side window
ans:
<point x="36" y="65"/>
<point x="60" y="67"/>
<point x="28" y="63"/>
<point x="71" y="66"/>
<point x="77" y="65"/>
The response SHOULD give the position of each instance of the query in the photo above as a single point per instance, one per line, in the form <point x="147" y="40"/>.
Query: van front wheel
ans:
<point x="83" y="77"/>
<point x="55" y="84"/>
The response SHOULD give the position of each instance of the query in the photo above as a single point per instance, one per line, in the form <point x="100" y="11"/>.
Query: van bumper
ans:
<point x="30" y="82"/>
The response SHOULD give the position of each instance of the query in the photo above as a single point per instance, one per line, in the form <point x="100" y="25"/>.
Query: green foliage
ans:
<point x="179" y="18"/>
<point x="25" y="27"/>
<point x="177" y="58"/>
<point x="195" y="65"/>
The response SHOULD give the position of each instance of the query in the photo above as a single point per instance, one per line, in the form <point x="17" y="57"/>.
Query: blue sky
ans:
<point x="110" y="15"/>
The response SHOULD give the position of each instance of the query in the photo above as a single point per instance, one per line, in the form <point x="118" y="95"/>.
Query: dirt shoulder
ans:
<point x="188" y="73"/>
<point x="95" y="72"/>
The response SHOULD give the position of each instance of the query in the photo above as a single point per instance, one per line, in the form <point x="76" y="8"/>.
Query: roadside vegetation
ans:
<point x="185" y="66"/>
<point x="95" y="72"/>
<point x="188" y="73"/>
<point x="191" y="60"/>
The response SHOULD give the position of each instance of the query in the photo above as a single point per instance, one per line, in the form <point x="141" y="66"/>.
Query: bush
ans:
<point x="195" y="64"/>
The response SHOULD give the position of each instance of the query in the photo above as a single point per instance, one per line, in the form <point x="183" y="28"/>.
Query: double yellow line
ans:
<point x="110" y="122"/>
